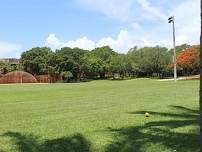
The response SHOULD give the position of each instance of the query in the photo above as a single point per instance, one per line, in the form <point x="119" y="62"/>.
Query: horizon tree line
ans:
<point x="76" y="64"/>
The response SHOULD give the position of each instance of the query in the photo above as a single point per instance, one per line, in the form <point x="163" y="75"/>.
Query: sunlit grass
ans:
<point x="100" y="116"/>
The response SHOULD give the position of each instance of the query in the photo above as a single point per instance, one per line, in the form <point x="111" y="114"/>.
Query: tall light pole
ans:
<point x="172" y="20"/>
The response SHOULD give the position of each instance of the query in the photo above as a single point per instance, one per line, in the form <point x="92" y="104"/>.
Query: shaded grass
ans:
<point x="100" y="116"/>
<point x="30" y="143"/>
<point x="159" y="135"/>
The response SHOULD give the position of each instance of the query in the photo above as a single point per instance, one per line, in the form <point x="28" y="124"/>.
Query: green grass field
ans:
<point x="100" y="116"/>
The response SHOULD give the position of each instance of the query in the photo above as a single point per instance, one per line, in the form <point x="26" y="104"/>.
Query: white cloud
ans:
<point x="55" y="43"/>
<point x="150" y="11"/>
<point x="187" y="23"/>
<point x="129" y="10"/>
<point x="122" y="43"/>
<point x="112" y="8"/>
<point x="144" y="32"/>
<point x="187" y="16"/>
<point x="9" y="49"/>
<point x="83" y="43"/>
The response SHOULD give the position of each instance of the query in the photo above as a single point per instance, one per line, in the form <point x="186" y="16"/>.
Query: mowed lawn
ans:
<point x="100" y="116"/>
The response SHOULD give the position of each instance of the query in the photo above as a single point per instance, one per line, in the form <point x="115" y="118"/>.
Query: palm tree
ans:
<point x="201" y="84"/>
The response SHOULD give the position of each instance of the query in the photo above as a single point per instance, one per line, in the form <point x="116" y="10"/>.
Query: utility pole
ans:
<point x="172" y="20"/>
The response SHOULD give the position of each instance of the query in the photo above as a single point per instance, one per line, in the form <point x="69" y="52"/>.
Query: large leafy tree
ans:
<point x="180" y="48"/>
<point x="53" y="67"/>
<point x="99" y="60"/>
<point x="4" y="67"/>
<point x="72" y="60"/>
<point x="35" y="60"/>
<point x="120" y="64"/>
<point x="149" y="59"/>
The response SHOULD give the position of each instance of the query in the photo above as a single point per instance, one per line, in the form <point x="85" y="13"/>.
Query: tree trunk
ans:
<point x="79" y="76"/>
<point x="113" y="75"/>
<point x="201" y="84"/>
<point x="102" y="74"/>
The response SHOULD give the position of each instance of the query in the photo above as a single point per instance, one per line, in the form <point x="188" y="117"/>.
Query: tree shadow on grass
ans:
<point x="153" y="136"/>
<point x="159" y="135"/>
<point x="31" y="143"/>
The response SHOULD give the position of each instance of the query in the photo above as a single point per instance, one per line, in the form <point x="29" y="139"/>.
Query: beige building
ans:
<point x="10" y="60"/>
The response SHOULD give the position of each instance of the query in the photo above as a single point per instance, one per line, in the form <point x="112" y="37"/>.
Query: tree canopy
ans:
<point x="75" y="63"/>
<point x="35" y="61"/>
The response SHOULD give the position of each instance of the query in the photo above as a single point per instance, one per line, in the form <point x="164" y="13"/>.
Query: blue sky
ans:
<point x="93" y="23"/>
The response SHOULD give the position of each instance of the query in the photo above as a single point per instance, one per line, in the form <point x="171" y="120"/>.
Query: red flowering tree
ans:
<point x="188" y="60"/>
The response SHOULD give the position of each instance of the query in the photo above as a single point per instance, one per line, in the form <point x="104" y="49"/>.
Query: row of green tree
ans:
<point x="101" y="62"/>
<point x="74" y="63"/>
